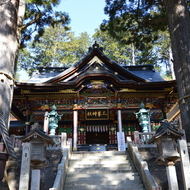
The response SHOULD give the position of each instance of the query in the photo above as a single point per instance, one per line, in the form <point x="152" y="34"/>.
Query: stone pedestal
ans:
<point x="35" y="180"/>
<point x="4" y="185"/>
<point x="185" y="167"/>
<point x="25" y="167"/>
<point x="63" y="141"/>
<point x="3" y="159"/>
<point x="172" y="177"/>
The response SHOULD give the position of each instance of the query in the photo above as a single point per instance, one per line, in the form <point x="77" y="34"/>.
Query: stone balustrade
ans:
<point x="62" y="167"/>
<point x="141" y="139"/>
<point x="17" y="143"/>
<point x="142" y="167"/>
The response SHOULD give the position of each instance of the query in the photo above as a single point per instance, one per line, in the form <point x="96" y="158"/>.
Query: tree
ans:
<point x="146" y="17"/>
<point x="83" y="43"/>
<point x="57" y="47"/>
<point x="179" y="28"/>
<point x="162" y="47"/>
<point x="50" y="50"/>
<point x="121" y="53"/>
<point x="38" y="13"/>
<point x="157" y="53"/>
<point x="13" y="34"/>
<point x="129" y="18"/>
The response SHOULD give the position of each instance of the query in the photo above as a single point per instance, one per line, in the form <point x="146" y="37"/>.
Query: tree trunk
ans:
<point x="179" y="28"/>
<point x="171" y="66"/>
<point x="9" y="46"/>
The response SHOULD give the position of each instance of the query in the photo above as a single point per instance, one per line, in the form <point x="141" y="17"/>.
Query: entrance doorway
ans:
<point x="97" y="134"/>
<point x="97" y="137"/>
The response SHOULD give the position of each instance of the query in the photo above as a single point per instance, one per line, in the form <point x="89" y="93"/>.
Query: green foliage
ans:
<point x="116" y="51"/>
<point x="134" y="21"/>
<point x="142" y="24"/>
<point x="156" y="54"/>
<point x="83" y="43"/>
<point x="57" y="47"/>
<point x="38" y="15"/>
<point x="128" y="35"/>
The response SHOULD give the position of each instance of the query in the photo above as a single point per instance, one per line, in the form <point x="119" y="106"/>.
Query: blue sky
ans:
<point x="86" y="15"/>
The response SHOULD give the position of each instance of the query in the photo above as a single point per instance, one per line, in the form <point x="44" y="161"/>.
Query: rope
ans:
<point x="6" y="138"/>
<point x="7" y="75"/>
<point x="183" y="98"/>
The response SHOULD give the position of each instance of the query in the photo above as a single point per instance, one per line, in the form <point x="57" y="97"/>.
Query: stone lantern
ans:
<point x="144" y="118"/>
<point x="39" y="141"/>
<point x="166" y="139"/>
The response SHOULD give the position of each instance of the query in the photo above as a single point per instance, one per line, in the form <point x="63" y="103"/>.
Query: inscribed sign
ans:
<point x="97" y="114"/>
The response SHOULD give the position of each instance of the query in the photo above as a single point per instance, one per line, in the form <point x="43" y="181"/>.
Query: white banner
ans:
<point x="121" y="141"/>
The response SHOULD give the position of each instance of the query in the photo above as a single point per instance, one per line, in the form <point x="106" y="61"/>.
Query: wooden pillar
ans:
<point x="75" y="127"/>
<point x="119" y="118"/>
<point x="27" y="128"/>
<point x="46" y="123"/>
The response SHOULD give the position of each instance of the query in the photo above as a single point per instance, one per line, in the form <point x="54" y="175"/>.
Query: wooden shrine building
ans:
<point x="90" y="95"/>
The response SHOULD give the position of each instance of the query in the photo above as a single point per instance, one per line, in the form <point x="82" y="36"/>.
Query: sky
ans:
<point x="86" y="15"/>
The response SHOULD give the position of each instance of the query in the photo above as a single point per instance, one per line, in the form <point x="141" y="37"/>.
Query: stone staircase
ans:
<point x="106" y="170"/>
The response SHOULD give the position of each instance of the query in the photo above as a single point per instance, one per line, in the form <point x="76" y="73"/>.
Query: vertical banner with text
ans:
<point x="121" y="141"/>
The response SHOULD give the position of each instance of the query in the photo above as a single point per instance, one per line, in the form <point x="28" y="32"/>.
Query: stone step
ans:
<point x="128" y="175"/>
<point x="104" y="180"/>
<point x="105" y="187"/>
<point x="108" y="183"/>
<point x="104" y="170"/>
<point x="100" y="157"/>
<point x="105" y="165"/>
<point x="99" y="165"/>
<point x="100" y="170"/>
<point x="100" y="153"/>
<point x="100" y="162"/>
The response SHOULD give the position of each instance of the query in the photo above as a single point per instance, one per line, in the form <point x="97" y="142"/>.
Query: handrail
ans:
<point x="142" y="167"/>
<point x="62" y="168"/>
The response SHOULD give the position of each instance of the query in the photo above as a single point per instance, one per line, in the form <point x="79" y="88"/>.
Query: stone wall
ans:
<point x="47" y="174"/>
<point x="159" y="171"/>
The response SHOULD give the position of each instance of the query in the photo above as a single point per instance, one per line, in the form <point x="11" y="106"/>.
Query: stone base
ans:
<point x="97" y="148"/>
<point x="4" y="186"/>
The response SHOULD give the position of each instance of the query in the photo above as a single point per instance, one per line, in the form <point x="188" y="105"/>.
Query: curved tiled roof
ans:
<point x="93" y="63"/>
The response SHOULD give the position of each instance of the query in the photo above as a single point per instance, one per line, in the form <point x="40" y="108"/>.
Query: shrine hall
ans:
<point x="96" y="97"/>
